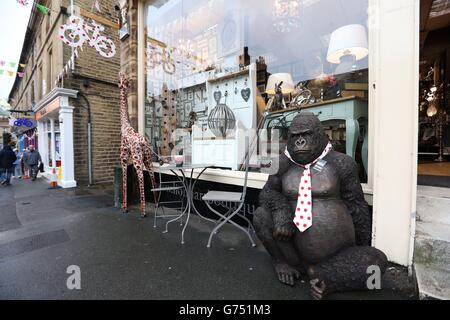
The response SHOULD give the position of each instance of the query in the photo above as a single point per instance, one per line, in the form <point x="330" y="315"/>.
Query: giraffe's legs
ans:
<point x="138" y="158"/>
<point x="124" y="163"/>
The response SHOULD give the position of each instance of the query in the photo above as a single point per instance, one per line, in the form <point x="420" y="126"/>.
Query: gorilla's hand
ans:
<point x="284" y="233"/>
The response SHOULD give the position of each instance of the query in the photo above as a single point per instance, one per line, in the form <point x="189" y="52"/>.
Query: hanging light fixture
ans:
<point x="432" y="110"/>
<point x="286" y="15"/>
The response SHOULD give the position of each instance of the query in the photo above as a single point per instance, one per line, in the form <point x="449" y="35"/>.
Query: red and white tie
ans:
<point x="303" y="211"/>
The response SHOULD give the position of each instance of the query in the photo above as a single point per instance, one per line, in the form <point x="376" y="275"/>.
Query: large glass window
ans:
<point x="202" y="54"/>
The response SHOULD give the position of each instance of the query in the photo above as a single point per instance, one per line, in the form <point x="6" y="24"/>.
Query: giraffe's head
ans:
<point x="123" y="81"/>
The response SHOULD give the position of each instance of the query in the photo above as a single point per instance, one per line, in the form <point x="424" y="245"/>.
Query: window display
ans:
<point x="265" y="56"/>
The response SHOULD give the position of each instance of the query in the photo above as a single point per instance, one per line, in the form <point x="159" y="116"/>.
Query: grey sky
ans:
<point x="13" y="24"/>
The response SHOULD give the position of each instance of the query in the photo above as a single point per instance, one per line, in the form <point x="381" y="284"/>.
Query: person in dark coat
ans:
<point x="7" y="159"/>
<point x="32" y="158"/>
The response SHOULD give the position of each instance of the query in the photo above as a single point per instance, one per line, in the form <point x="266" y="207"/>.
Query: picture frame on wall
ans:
<point x="187" y="107"/>
<point x="182" y="94"/>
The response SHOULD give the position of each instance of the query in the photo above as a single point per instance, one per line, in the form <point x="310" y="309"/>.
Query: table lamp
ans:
<point x="287" y="86"/>
<point x="347" y="45"/>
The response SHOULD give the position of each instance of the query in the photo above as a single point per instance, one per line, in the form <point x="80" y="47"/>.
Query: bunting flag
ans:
<point x="22" y="2"/>
<point x="20" y="74"/>
<point x="1" y="72"/>
<point x="96" y="5"/>
<point x="42" y="8"/>
<point x="10" y="73"/>
<point x="12" y="64"/>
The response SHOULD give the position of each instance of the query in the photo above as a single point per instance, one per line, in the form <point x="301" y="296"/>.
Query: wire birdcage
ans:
<point x="221" y="120"/>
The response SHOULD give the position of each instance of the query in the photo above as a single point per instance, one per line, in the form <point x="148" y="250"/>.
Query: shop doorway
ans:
<point x="434" y="94"/>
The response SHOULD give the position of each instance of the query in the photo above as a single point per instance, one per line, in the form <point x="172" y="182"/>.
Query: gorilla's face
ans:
<point x="307" y="139"/>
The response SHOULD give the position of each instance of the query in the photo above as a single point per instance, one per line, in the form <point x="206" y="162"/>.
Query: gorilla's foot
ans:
<point x="286" y="274"/>
<point x="318" y="289"/>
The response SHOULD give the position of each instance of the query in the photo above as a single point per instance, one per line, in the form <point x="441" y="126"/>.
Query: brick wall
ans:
<point x="96" y="77"/>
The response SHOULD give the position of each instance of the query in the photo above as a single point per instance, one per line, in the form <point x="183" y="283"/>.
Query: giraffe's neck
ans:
<point x="124" y="117"/>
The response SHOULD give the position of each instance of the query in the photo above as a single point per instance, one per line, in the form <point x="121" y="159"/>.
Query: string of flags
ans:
<point x="11" y="64"/>
<point x="68" y="66"/>
<point x="40" y="7"/>
<point x="5" y="65"/>
<point x="46" y="10"/>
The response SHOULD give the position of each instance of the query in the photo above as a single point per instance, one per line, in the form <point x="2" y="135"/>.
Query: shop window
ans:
<point x="202" y="53"/>
<point x="434" y="97"/>
<point x="49" y="75"/>
<point x="40" y="82"/>
<point x="33" y="100"/>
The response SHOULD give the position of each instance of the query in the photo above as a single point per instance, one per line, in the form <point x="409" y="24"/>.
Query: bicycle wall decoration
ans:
<point x="77" y="32"/>
<point x="23" y="122"/>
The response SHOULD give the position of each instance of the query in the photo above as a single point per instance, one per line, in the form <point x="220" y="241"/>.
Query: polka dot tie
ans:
<point x="303" y="210"/>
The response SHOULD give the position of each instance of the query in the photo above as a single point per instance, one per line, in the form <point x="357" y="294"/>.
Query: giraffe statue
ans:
<point x="135" y="146"/>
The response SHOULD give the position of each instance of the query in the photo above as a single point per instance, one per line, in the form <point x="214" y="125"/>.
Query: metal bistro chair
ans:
<point x="236" y="198"/>
<point x="166" y="187"/>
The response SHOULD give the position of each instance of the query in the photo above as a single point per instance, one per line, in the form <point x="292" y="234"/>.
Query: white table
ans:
<point x="188" y="186"/>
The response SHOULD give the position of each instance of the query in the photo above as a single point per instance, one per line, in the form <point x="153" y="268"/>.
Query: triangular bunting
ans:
<point x="42" y="8"/>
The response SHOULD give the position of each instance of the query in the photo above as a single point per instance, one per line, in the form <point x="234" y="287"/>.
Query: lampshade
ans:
<point x="347" y="40"/>
<point x="286" y="87"/>
<point x="432" y="110"/>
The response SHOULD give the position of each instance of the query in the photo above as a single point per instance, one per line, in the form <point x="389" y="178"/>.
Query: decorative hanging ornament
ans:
<point x="245" y="93"/>
<point x="76" y="33"/>
<point x="221" y="120"/>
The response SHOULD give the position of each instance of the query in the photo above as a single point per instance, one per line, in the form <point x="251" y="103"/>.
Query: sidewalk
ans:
<point x="43" y="231"/>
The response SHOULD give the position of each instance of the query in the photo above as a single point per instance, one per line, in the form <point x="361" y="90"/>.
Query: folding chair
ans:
<point x="236" y="198"/>
<point x="166" y="187"/>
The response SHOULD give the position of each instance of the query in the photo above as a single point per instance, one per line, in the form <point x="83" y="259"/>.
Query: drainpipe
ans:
<point x="89" y="132"/>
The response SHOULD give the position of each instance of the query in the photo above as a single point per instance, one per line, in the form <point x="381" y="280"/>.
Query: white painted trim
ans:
<point x="394" y="50"/>
<point x="56" y="92"/>
<point x="65" y="119"/>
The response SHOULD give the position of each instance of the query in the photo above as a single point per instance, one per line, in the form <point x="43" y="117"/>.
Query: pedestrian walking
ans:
<point x="17" y="164"/>
<point x="7" y="159"/>
<point x="32" y="158"/>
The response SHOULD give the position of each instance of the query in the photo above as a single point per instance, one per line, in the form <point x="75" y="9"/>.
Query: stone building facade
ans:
<point x="93" y="79"/>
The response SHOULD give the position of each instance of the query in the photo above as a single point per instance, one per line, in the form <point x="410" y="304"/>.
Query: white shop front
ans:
<point x="54" y="118"/>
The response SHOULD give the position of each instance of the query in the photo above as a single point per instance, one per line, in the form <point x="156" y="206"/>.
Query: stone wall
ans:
<point x="96" y="77"/>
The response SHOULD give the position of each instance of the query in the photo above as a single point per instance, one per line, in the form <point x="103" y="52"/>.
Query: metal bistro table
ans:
<point x="188" y="186"/>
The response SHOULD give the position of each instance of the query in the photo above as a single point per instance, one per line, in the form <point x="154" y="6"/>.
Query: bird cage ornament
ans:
<point x="221" y="120"/>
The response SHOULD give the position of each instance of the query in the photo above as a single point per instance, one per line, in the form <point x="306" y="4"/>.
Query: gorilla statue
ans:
<point x="313" y="218"/>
